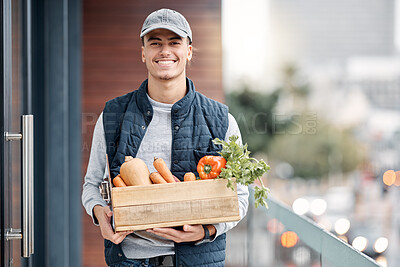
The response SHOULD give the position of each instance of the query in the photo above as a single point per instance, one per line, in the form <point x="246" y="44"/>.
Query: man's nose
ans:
<point x="165" y="51"/>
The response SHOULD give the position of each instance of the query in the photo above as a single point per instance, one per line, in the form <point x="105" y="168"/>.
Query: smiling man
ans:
<point x="166" y="54"/>
<point x="165" y="117"/>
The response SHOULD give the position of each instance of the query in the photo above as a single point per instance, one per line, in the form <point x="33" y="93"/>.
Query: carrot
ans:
<point x="189" y="176"/>
<point x="156" y="178"/>
<point x="118" y="182"/>
<point x="162" y="168"/>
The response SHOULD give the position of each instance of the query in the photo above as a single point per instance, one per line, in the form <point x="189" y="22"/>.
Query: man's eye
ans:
<point x="175" y="43"/>
<point x="153" y="44"/>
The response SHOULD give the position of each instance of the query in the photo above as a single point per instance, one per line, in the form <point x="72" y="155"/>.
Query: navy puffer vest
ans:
<point x="195" y="120"/>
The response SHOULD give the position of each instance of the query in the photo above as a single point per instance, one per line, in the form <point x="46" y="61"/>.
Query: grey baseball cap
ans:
<point x="167" y="19"/>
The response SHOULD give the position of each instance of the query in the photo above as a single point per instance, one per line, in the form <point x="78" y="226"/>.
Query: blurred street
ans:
<point x="323" y="109"/>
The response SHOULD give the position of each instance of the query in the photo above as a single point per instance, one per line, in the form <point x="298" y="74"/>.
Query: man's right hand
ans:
<point x="103" y="215"/>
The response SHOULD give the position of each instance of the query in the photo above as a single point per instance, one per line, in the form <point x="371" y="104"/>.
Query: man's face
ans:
<point x="165" y="54"/>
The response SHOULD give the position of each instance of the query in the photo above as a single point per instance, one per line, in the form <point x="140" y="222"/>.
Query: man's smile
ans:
<point x="165" y="62"/>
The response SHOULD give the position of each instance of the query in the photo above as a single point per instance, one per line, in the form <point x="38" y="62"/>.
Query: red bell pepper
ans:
<point x="209" y="167"/>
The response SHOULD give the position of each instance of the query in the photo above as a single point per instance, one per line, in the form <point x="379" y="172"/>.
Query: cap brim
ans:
<point x="167" y="27"/>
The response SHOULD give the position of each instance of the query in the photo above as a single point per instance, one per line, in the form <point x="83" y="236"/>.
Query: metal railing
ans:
<point x="258" y="241"/>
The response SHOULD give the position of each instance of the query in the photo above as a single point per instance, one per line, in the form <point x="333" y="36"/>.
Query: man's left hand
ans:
<point x="190" y="233"/>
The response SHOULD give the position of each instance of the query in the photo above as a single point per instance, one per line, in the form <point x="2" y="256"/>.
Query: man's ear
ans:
<point x="143" y="57"/>
<point x="190" y="52"/>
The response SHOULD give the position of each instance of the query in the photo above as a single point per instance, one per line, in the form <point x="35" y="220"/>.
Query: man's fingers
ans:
<point x="164" y="234"/>
<point x="107" y="232"/>
<point x="168" y="231"/>
<point x="107" y="211"/>
<point x="127" y="232"/>
<point x="189" y="233"/>
<point x="172" y="234"/>
<point x="118" y="239"/>
<point x="120" y="236"/>
<point x="163" y="230"/>
<point x="190" y="228"/>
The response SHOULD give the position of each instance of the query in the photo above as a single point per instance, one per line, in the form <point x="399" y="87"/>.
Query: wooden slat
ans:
<point x="202" y="211"/>
<point x="172" y="224"/>
<point x="176" y="192"/>
<point x="176" y="211"/>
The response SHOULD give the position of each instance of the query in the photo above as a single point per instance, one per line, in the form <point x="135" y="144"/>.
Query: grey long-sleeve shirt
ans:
<point x="156" y="142"/>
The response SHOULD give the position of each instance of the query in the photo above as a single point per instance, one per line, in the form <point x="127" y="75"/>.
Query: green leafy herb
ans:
<point x="241" y="166"/>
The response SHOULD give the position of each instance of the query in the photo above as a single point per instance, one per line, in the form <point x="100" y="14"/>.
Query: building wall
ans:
<point x="112" y="67"/>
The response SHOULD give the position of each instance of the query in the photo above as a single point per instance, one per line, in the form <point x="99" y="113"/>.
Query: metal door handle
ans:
<point x="27" y="186"/>
<point x="27" y="199"/>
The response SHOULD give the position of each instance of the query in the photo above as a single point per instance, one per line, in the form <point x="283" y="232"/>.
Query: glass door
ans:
<point x="16" y="164"/>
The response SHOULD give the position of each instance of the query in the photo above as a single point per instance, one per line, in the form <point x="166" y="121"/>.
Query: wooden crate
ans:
<point x="175" y="204"/>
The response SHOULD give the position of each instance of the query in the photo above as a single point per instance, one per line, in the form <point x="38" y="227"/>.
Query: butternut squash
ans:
<point x="135" y="172"/>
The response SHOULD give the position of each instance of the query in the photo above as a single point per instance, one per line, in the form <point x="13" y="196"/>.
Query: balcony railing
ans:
<point x="279" y="237"/>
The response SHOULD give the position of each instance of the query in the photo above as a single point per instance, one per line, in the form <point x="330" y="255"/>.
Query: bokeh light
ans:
<point x="389" y="177"/>
<point x="360" y="243"/>
<point x="302" y="256"/>
<point x="318" y="206"/>
<point x="275" y="226"/>
<point x="397" y="181"/>
<point x="382" y="261"/>
<point x="289" y="239"/>
<point x="301" y="206"/>
<point x="381" y="244"/>
<point x="342" y="226"/>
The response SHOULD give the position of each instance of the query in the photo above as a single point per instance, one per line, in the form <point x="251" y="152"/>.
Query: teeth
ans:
<point x="165" y="62"/>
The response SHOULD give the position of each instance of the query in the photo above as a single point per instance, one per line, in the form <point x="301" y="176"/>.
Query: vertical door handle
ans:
<point x="27" y="200"/>
<point x="27" y="186"/>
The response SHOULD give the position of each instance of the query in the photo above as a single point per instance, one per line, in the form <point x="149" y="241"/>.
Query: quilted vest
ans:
<point x="195" y="120"/>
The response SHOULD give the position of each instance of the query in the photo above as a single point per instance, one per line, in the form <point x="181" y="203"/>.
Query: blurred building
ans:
<point x="348" y="48"/>
<point x="311" y="33"/>
<point x="325" y="32"/>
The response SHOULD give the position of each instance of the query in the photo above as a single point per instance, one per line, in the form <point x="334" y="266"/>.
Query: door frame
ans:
<point x="21" y="27"/>
<point x="5" y="121"/>
<point x="52" y="93"/>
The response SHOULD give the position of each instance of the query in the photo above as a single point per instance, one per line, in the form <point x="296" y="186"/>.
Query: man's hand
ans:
<point x="103" y="215"/>
<point x="190" y="233"/>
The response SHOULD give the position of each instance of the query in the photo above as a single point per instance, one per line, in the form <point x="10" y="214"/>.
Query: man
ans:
<point x="168" y="119"/>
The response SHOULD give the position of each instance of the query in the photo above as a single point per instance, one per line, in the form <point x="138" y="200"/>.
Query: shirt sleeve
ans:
<point x="242" y="190"/>
<point x="96" y="171"/>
